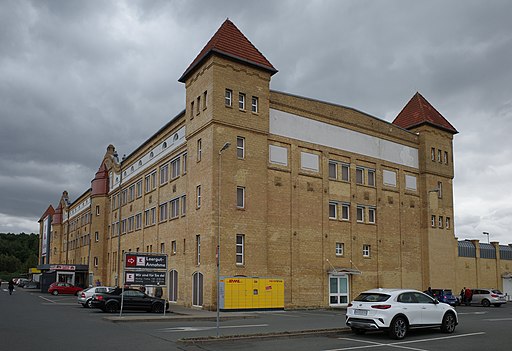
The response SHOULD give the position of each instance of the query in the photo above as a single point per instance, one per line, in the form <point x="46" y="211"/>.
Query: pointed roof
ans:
<point x="229" y="41"/>
<point x="419" y="111"/>
<point x="49" y="212"/>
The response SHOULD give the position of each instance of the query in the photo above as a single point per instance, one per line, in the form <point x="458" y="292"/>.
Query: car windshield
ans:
<point x="372" y="297"/>
<point x="448" y="292"/>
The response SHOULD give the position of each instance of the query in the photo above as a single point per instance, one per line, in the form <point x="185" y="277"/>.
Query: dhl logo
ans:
<point x="234" y="281"/>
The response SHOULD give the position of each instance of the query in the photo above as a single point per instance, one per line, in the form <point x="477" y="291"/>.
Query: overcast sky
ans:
<point x="76" y="76"/>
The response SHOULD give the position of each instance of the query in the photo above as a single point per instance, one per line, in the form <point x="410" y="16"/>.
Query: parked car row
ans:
<point x="131" y="299"/>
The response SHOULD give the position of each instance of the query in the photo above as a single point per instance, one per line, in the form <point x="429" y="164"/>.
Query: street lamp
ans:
<point x="224" y="147"/>
<point x="486" y="233"/>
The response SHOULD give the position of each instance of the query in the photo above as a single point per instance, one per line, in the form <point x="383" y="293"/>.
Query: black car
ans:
<point x="132" y="300"/>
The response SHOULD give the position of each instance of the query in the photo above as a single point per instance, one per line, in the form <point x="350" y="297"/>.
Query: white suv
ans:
<point x="398" y="310"/>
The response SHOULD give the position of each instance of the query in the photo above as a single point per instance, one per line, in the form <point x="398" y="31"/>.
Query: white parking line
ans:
<point x="398" y="344"/>
<point x="461" y="313"/>
<point x="44" y="298"/>
<point x="497" y="319"/>
<point x="194" y="329"/>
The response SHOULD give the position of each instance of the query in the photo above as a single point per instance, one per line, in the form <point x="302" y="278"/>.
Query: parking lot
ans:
<point x="60" y="320"/>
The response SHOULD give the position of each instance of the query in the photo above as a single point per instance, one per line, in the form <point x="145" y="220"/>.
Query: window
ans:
<point x="389" y="178"/>
<point x="162" y="213"/>
<point x="240" y="238"/>
<point x="360" y="213"/>
<point x="173" y="285"/>
<point x="439" y="156"/>
<point x="191" y="109"/>
<point x="147" y="183"/>
<point x="162" y="247"/>
<point x="97" y="210"/>
<point x="371" y="214"/>
<point x="410" y="182"/>
<point x="240" y="147"/>
<point x="371" y="177"/>
<point x="198" y="107"/>
<point x="359" y="175"/>
<point x="97" y="235"/>
<point x="254" y="105"/>
<point x="445" y="157"/>
<point x="345" y="212"/>
<point x="433" y="221"/>
<point x="440" y="221"/>
<point x="433" y="154"/>
<point x="240" y="197"/>
<point x="228" y="97"/>
<point x="199" y="149"/>
<point x="131" y="223"/>
<point x="366" y="250"/>
<point x="131" y="193"/>
<point x="173" y="247"/>
<point x="309" y="161"/>
<point x="152" y="213"/>
<point x="447" y="223"/>
<point x="198" y="249"/>
<point x="440" y="190"/>
<point x="198" y="196"/>
<point x="333" y="170"/>
<point x="333" y="209"/>
<point x="183" y="205"/>
<point x="139" y="188"/>
<point x="184" y="164"/>
<point x="345" y="172"/>
<point x="204" y="99"/>
<point x="146" y="218"/>
<point x="278" y="155"/>
<point x="241" y="101"/>
<point x="175" y="168"/>
<point x="164" y="174"/>
<point x="138" y="221"/>
<point x="95" y="261"/>
<point x="175" y="208"/>
<point x="197" y="289"/>
<point x="339" y="249"/>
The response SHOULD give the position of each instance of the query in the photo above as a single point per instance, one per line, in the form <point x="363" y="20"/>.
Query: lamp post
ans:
<point x="224" y="147"/>
<point x="486" y="233"/>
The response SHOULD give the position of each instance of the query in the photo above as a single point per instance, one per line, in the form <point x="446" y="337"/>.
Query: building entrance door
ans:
<point x="338" y="290"/>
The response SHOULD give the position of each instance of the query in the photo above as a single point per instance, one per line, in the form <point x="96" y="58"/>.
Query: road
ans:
<point x="34" y="321"/>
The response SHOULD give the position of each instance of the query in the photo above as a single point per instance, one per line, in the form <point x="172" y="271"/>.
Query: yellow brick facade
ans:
<point x="286" y="223"/>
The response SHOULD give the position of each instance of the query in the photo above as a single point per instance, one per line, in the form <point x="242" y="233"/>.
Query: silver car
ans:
<point x="487" y="297"/>
<point x="85" y="296"/>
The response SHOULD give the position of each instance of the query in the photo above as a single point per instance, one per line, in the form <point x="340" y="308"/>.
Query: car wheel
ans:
<point x="486" y="303"/>
<point x="88" y="303"/>
<point x="112" y="307"/>
<point x="358" y="331"/>
<point x="497" y="305"/>
<point x="158" y="308"/>
<point x="55" y="292"/>
<point x="448" y="324"/>
<point x="398" y="328"/>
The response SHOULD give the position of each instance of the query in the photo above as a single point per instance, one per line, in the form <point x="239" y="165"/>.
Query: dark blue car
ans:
<point x="444" y="295"/>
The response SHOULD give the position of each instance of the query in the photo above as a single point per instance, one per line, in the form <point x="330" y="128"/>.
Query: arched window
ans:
<point x="197" y="289"/>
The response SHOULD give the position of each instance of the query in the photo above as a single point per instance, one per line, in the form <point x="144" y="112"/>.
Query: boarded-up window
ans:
<point x="389" y="178"/>
<point x="278" y="155"/>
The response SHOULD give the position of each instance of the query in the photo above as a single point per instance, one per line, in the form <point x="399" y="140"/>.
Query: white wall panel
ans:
<point x="308" y="130"/>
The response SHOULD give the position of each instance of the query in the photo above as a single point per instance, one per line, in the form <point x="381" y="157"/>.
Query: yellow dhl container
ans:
<point x="251" y="293"/>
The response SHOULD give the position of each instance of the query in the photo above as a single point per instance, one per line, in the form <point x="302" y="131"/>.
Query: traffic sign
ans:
<point x="145" y="261"/>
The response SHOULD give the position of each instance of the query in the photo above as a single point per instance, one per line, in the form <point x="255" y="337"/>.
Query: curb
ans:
<point x="285" y="334"/>
<point x="172" y="317"/>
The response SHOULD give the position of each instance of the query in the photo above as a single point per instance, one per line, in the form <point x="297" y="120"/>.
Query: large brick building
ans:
<point x="328" y="198"/>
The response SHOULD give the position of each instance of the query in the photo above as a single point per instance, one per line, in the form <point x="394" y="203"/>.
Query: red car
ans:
<point x="63" y="288"/>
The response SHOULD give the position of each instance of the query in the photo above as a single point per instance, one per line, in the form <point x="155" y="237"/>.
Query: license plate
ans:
<point x="360" y="312"/>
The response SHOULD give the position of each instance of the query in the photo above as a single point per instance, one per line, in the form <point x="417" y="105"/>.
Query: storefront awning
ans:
<point x="343" y="270"/>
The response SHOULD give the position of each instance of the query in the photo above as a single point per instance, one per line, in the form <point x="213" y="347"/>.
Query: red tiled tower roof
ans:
<point x="49" y="212"/>
<point x="419" y="111"/>
<point x="228" y="41"/>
